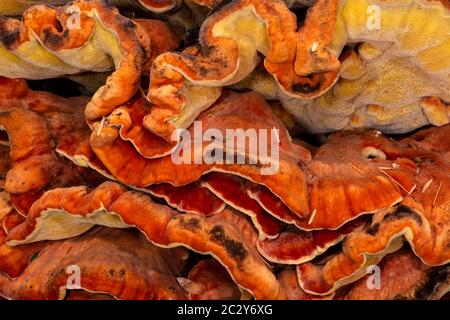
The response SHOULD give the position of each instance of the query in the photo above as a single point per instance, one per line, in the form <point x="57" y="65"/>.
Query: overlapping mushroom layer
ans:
<point x="123" y="150"/>
<point x="372" y="168"/>
<point x="364" y="245"/>
<point x="184" y="84"/>
<point x="392" y="74"/>
<point x="422" y="219"/>
<point x="84" y="35"/>
<point x="200" y="192"/>
<point x="395" y="78"/>
<point x="120" y="263"/>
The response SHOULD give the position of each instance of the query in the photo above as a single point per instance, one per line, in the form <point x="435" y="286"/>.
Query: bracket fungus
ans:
<point x="208" y="280"/>
<point x="121" y="263"/>
<point x="289" y="284"/>
<point x="113" y="206"/>
<point x="421" y="219"/>
<point x="14" y="7"/>
<point x="13" y="260"/>
<point x="232" y="190"/>
<point x="83" y="35"/>
<point x="126" y="164"/>
<point x="274" y="156"/>
<point x="184" y="84"/>
<point x="159" y="6"/>
<point x="404" y="276"/>
<point x="294" y="246"/>
<point x="349" y="176"/>
<point x="394" y="77"/>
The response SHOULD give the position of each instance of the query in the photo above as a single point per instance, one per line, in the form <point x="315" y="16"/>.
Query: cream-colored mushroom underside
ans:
<point x="404" y="60"/>
<point x="32" y="60"/>
<point x="248" y="31"/>
<point x="407" y="59"/>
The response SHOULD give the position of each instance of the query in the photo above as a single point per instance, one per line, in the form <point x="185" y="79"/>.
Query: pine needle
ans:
<point x="313" y="215"/>
<point x="100" y="127"/>
<point x="395" y="181"/>
<point x="437" y="193"/>
<point x="427" y="185"/>
<point x="356" y="169"/>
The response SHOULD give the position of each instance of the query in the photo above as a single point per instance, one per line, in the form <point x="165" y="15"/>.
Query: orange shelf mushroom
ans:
<point x="421" y="219"/>
<point x="261" y="163"/>
<point x="208" y="280"/>
<point x="226" y="236"/>
<point x="289" y="284"/>
<point x="403" y="276"/>
<point x="385" y="47"/>
<point x="121" y="263"/>
<point x="133" y="169"/>
<point x="394" y="69"/>
<point x="33" y="122"/>
<point x="84" y="35"/>
<point x="184" y="84"/>
<point x="159" y="6"/>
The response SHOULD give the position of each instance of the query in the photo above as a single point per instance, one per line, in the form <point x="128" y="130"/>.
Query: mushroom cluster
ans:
<point x="208" y="149"/>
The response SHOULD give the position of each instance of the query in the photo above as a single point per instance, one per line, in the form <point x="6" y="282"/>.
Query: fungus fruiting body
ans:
<point x="224" y="149"/>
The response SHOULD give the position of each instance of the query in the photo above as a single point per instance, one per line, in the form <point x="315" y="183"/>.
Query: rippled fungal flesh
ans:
<point x="5" y="163"/>
<point x="193" y="197"/>
<point x="402" y="276"/>
<point x="396" y="77"/>
<point x="83" y="35"/>
<point x="226" y="236"/>
<point x="289" y="284"/>
<point x="295" y="246"/>
<point x="184" y="84"/>
<point x="193" y="159"/>
<point x="12" y="7"/>
<point x="13" y="260"/>
<point x="128" y="119"/>
<point x="31" y="149"/>
<point x="5" y="206"/>
<point x="421" y="219"/>
<point x="208" y="280"/>
<point x="159" y="6"/>
<point x="232" y="190"/>
<point x="353" y="174"/>
<point x="343" y="176"/>
<point x="121" y="263"/>
<point x="33" y="122"/>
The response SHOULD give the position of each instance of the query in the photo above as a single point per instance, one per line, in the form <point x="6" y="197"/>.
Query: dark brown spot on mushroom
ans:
<point x="219" y="6"/>
<point x="305" y="87"/>
<point x="373" y="230"/>
<point x="401" y="212"/>
<point x="129" y="25"/>
<point x="434" y="278"/>
<point x="55" y="39"/>
<point x="9" y="38"/>
<point x="192" y="224"/>
<point x="234" y="249"/>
